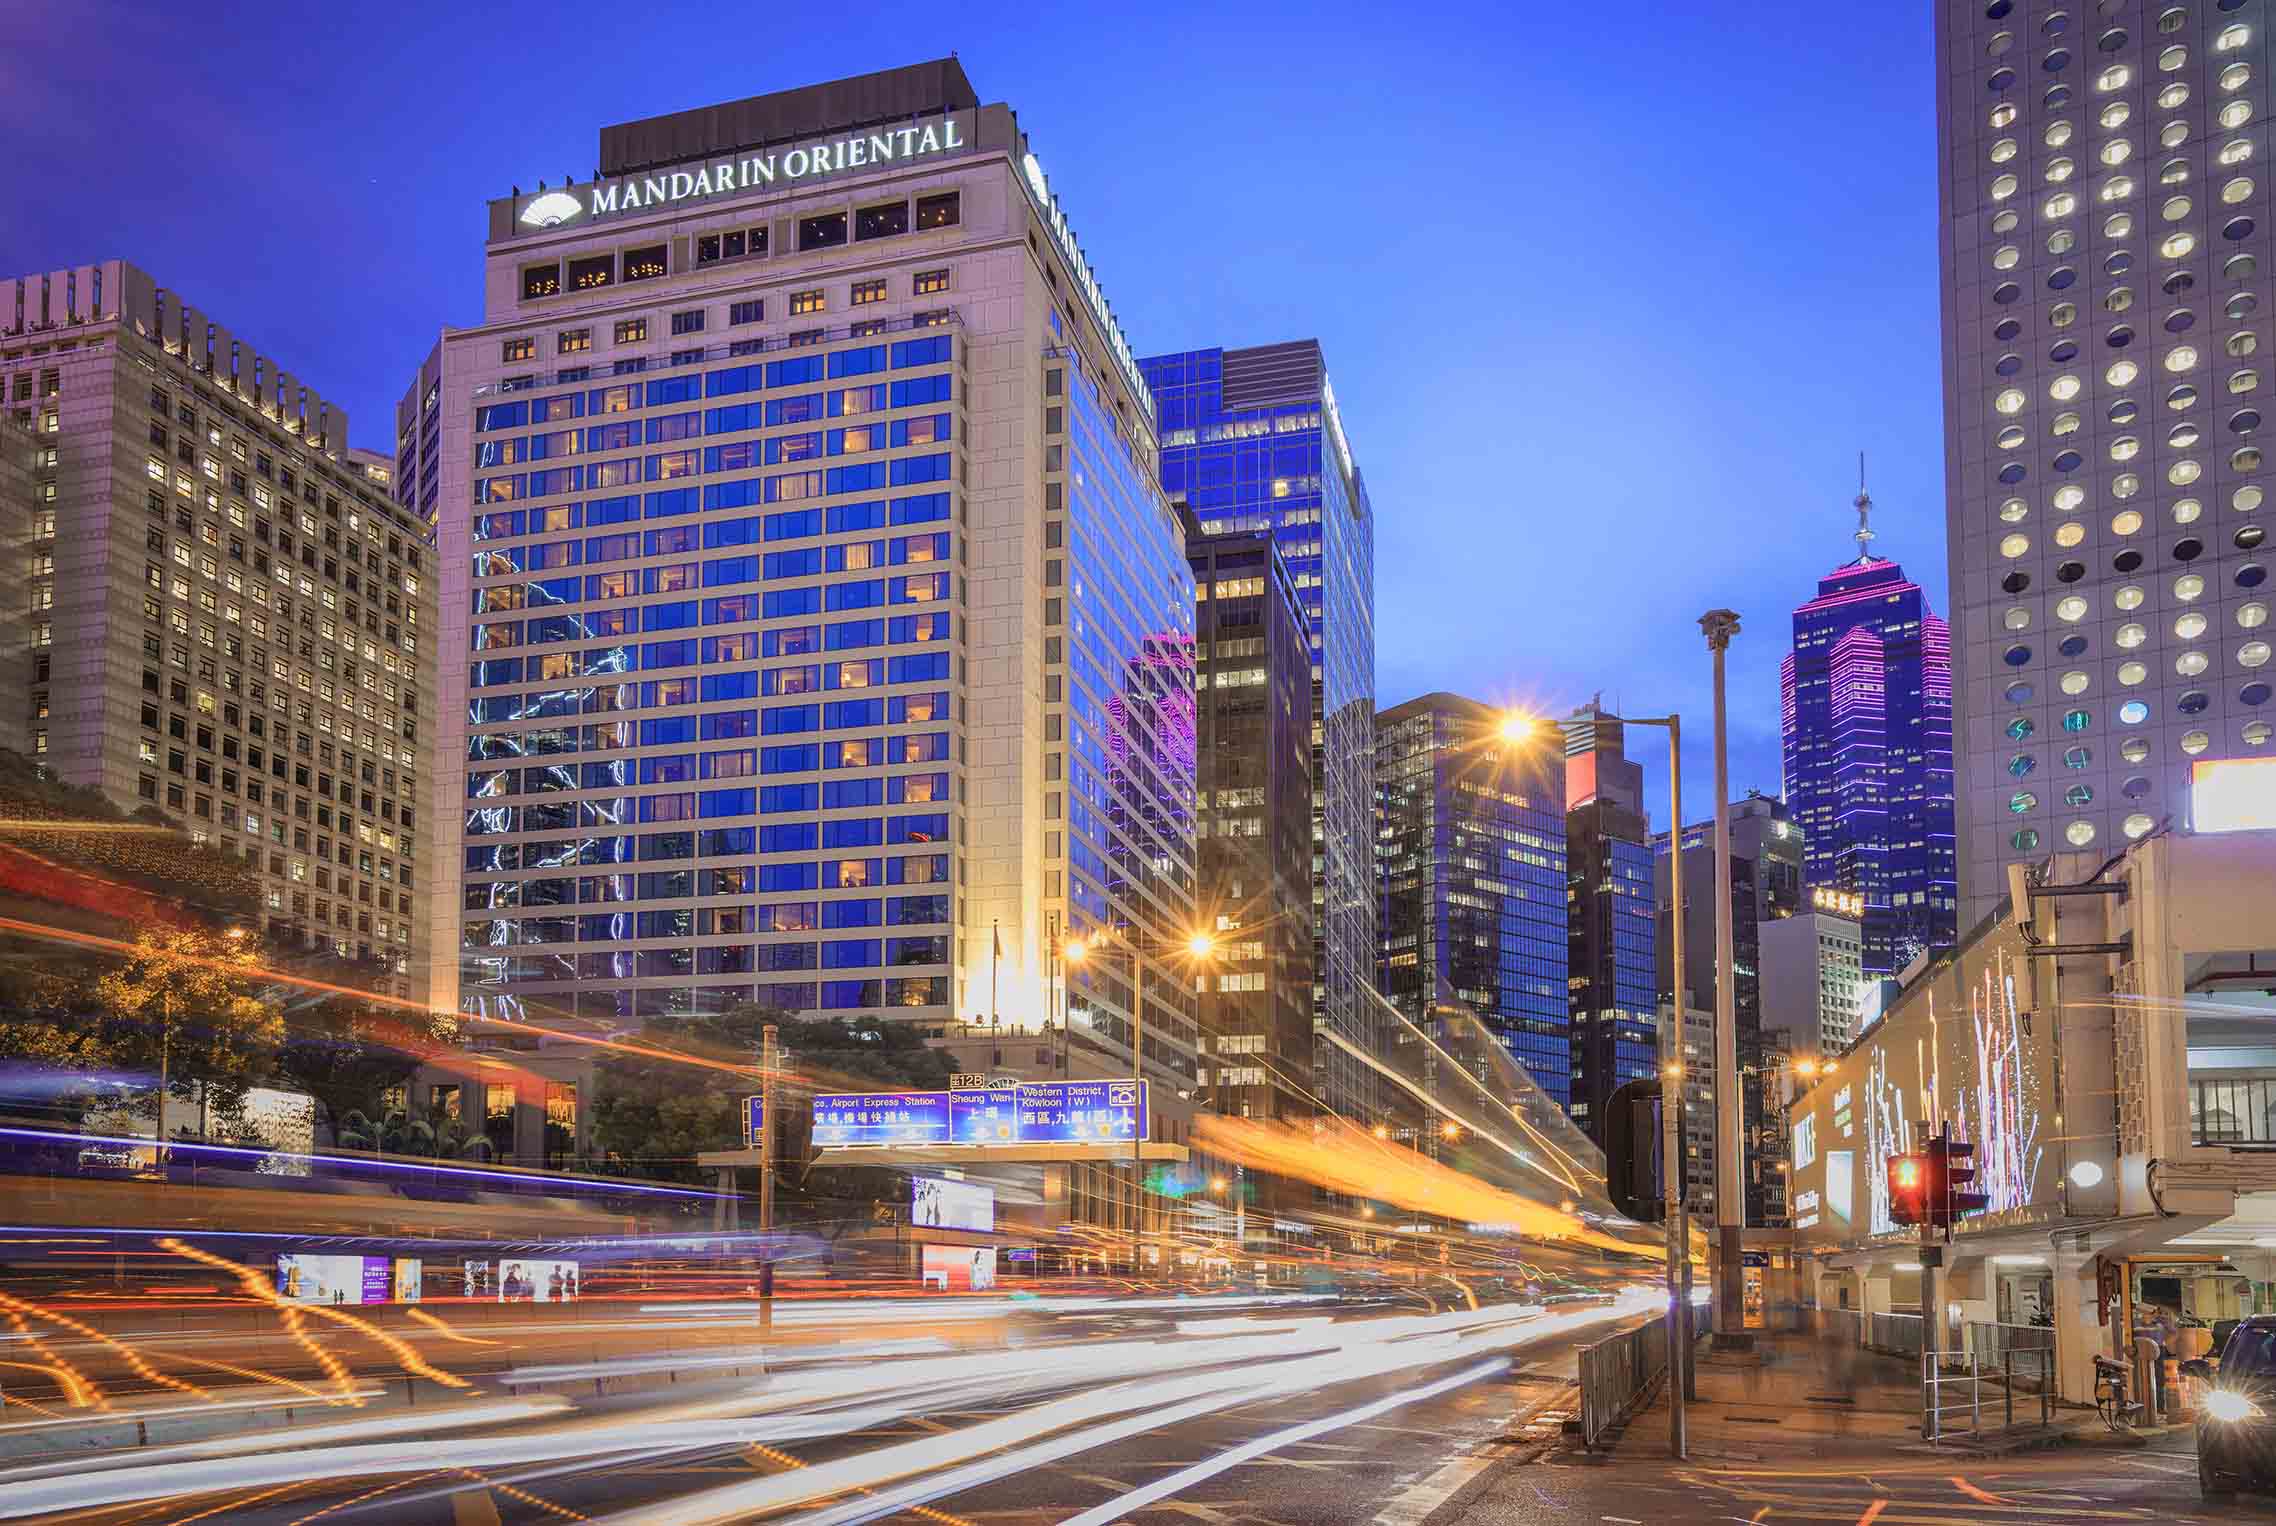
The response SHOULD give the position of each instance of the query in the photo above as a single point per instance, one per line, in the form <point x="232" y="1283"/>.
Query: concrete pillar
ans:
<point x="2079" y="1334"/>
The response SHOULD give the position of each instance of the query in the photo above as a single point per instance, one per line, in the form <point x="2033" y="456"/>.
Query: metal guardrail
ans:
<point x="1897" y="1334"/>
<point x="2238" y="1112"/>
<point x="1956" y="1390"/>
<point x="1989" y="1342"/>
<point x="1616" y="1373"/>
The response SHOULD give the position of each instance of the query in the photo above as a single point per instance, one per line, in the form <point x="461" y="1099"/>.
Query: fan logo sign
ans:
<point x="634" y="193"/>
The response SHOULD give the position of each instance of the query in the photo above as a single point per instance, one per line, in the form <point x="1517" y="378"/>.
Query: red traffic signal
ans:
<point x="1909" y="1197"/>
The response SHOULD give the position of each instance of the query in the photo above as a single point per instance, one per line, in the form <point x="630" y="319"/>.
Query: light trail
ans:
<point x="167" y="1412"/>
<point x="134" y="1359"/>
<point x="1161" y="1489"/>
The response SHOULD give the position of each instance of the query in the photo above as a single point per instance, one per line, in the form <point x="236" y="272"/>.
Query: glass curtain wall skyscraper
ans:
<point x="1473" y="865"/>
<point x="1251" y="440"/>
<point x="1866" y="702"/>
<point x="763" y="685"/>
<point x="1611" y="916"/>
<point x="2107" y="292"/>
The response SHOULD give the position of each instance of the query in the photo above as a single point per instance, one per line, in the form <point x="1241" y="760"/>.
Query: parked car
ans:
<point x="2236" y="1414"/>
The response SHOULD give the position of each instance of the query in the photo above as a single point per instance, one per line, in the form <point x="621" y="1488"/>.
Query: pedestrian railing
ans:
<point x="1990" y="1341"/>
<point x="1957" y="1394"/>
<point x="1616" y="1373"/>
<point x="1896" y="1334"/>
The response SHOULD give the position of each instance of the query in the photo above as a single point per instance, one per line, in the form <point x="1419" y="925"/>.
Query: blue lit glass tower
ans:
<point x="1472" y="850"/>
<point x="1250" y="440"/>
<point x="1611" y="922"/>
<point x="1867" y="699"/>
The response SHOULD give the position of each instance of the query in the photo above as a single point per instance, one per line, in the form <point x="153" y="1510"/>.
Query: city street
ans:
<point x="1098" y="1410"/>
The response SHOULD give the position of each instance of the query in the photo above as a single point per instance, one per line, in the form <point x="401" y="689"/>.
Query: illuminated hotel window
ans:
<point x="883" y="221"/>
<point x="710" y="248"/>
<point x="930" y="281"/>
<point x="632" y="331"/>
<point x="803" y="302"/>
<point x="540" y="281"/>
<point x="570" y="341"/>
<point x="800" y="337"/>
<point x="518" y="349"/>
<point x="824" y="232"/>
<point x="592" y="271"/>
<point x="644" y="264"/>
<point x="940" y="211"/>
<point x="866" y="329"/>
<point x="933" y="318"/>
<point x="868" y="291"/>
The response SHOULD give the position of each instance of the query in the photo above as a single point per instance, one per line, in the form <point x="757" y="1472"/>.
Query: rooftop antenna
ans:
<point x="1864" y="503"/>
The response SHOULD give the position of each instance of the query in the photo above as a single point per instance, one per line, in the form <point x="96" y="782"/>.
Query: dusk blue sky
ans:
<point x="1611" y="298"/>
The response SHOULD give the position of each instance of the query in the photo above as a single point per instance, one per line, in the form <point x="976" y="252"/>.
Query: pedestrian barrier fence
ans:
<point x="1616" y="1373"/>
<point x="1896" y="1334"/>
<point x="1957" y="1391"/>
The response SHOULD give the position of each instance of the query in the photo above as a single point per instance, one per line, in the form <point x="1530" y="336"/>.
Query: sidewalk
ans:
<point x="1795" y="1434"/>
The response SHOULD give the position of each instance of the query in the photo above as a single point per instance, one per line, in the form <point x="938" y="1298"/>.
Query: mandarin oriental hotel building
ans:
<point x="815" y="634"/>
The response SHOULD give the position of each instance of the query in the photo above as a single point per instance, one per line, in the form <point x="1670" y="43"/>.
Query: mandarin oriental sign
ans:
<point x="744" y="172"/>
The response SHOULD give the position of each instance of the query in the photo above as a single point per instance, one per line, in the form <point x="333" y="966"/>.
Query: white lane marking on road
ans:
<point x="1138" y="1499"/>
<point x="2143" y="1462"/>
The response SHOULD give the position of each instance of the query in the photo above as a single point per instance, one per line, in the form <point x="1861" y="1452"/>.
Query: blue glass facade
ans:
<point x="1473" y="856"/>
<point x="1867" y="732"/>
<point x="1127" y="616"/>
<point x="1251" y="440"/>
<point x="711" y="727"/>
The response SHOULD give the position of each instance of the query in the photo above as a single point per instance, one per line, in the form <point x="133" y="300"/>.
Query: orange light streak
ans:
<point x="257" y="1286"/>
<point x="133" y="1357"/>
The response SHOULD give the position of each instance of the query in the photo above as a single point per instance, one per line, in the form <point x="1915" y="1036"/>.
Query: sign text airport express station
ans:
<point x="1043" y="1112"/>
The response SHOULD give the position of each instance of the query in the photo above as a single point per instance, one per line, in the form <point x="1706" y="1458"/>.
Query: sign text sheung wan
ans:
<point x="1042" y="1112"/>
<point x="745" y="172"/>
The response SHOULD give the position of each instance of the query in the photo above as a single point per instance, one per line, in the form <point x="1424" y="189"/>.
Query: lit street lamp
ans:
<point x="1199" y="946"/>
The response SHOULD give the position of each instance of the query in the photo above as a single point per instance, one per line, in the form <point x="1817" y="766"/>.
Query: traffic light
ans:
<point x="1954" y="1167"/>
<point x="1909" y="1180"/>
<point x="1632" y="1150"/>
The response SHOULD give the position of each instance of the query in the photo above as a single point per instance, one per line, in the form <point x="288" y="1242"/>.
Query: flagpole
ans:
<point x="995" y="964"/>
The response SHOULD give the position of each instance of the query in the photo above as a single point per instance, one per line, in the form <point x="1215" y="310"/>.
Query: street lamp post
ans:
<point x="1672" y="1159"/>
<point x="1720" y="626"/>
<point x="1199" y="946"/>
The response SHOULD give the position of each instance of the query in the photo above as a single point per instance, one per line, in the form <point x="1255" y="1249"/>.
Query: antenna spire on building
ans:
<point x="1864" y="502"/>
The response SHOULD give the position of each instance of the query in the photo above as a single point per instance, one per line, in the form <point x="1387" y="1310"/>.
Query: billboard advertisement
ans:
<point x="410" y="1279"/>
<point x="936" y="1203"/>
<point x="881" y="1118"/>
<point x="959" y="1268"/>
<point x="525" y="1281"/>
<point x="334" y="1279"/>
<point x="1956" y="1048"/>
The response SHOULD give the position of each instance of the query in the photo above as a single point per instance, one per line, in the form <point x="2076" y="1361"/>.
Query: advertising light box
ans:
<point x="334" y="1279"/>
<point x="959" y="1268"/>
<point x="936" y="1203"/>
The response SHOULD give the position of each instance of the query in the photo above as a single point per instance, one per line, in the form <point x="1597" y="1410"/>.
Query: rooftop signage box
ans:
<point x="746" y="170"/>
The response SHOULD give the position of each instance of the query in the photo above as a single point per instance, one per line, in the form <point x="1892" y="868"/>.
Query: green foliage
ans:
<point x="652" y="1116"/>
<point x="347" y="1055"/>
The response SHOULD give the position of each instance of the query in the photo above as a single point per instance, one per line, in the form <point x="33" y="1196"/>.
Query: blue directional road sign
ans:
<point x="881" y="1118"/>
<point x="1081" y="1112"/>
<point x="754" y="1119"/>
<point x="983" y="1116"/>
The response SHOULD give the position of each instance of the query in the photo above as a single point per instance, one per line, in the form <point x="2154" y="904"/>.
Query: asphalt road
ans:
<point x="1310" y="1415"/>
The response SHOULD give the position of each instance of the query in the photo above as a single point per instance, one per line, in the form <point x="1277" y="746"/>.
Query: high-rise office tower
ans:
<point x="1251" y="440"/>
<point x="1813" y="973"/>
<point x="1610" y="916"/>
<point x="1473" y="856"/>
<point x="1253" y="830"/>
<point x="229" y="621"/>
<point x="1766" y="885"/>
<point x="818" y="633"/>
<point x="2107" y="299"/>
<point x="1866" y="696"/>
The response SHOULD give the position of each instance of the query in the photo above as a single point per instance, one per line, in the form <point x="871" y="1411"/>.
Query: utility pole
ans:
<point x="165" y="1064"/>
<point x="769" y="1056"/>
<point x="1730" y="1193"/>
<point x="1673" y="1162"/>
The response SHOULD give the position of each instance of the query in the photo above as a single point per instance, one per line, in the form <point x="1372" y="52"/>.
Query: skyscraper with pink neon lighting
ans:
<point x="1867" y="723"/>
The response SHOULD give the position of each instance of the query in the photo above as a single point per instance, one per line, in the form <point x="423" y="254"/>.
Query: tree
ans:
<point x="348" y="1055"/>
<point x="651" y="1116"/>
<point x="182" y="995"/>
